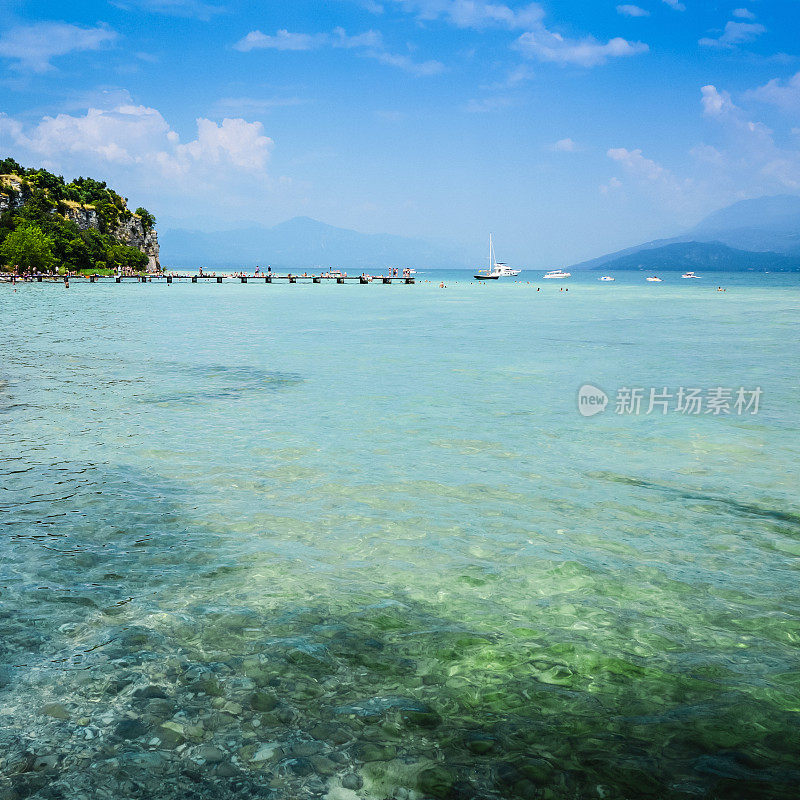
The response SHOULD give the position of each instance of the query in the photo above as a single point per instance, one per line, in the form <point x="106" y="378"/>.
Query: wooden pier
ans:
<point x="212" y="278"/>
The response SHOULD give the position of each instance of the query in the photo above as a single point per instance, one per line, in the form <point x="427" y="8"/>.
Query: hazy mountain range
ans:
<point x="303" y="242"/>
<point x="760" y="234"/>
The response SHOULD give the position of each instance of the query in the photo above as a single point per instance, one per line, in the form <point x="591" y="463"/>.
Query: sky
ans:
<point x="567" y="129"/>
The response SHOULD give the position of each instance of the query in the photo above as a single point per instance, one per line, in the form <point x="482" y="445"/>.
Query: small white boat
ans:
<point x="497" y="269"/>
<point x="557" y="273"/>
<point x="606" y="278"/>
<point x="689" y="275"/>
<point x="653" y="279"/>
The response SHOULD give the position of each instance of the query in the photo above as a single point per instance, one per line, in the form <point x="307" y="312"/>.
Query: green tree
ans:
<point x="8" y="166"/>
<point x="148" y="220"/>
<point x="120" y="255"/>
<point x="29" y="249"/>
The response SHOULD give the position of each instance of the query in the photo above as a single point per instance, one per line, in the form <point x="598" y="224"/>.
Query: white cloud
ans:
<point x="632" y="11"/>
<point x="546" y="45"/>
<point x="676" y="4"/>
<point x="138" y="135"/>
<point x="515" y="78"/>
<point x="420" y="68"/>
<point x="741" y="159"/>
<point x="707" y="153"/>
<point x="612" y="185"/>
<point x="370" y="39"/>
<point x="475" y="14"/>
<point x="282" y="40"/>
<point x="658" y="183"/>
<point x="31" y="47"/>
<point x="635" y="162"/>
<point x="784" y="95"/>
<point x="536" y="42"/>
<point x="219" y="173"/>
<point x="565" y="146"/>
<point x="735" y="33"/>
<point x="715" y="103"/>
<point x="369" y="44"/>
<point x="743" y="13"/>
<point x="750" y="159"/>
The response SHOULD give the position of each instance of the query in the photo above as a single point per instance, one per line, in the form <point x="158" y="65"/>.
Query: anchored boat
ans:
<point x="497" y="269"/>
<point x="557" y="273"/>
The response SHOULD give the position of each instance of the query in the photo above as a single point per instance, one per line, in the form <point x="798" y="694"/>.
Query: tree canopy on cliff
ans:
<point x="43" y="204"/>
<point x="28" y="248"/>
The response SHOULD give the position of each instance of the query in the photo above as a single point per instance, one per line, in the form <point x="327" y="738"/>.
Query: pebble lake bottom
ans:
<point x="357" y="542"/>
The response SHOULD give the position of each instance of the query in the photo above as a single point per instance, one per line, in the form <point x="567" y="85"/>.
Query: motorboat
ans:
<point x="557" y="273"/>
<point x="606" y="278"/>
<point x="653" y="279"/>
<point x="689" y="275"/>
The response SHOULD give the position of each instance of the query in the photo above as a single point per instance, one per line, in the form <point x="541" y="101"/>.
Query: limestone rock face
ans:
<point x="84" y="217"/>
<point x="15" y="193"/>
<point x="12" y="193"/>
<point x="134" y="234"/>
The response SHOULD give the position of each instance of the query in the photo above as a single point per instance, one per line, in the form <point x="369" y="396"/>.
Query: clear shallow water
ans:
<point x="361" y="541"/>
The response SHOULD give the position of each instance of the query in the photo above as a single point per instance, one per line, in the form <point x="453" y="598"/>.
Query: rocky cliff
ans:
<point x="127" y="227"/>
<point x="131" y="231"/>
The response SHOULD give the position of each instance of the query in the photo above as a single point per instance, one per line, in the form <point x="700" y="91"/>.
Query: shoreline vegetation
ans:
<point x="50" y="226"/>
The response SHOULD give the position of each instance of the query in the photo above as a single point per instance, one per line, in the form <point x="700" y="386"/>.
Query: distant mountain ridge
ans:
<point x="301" y="243"/>
<point x="715" y="256"/>
<point x="760" y="234"/>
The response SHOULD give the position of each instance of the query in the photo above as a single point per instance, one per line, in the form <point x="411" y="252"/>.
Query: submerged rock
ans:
<point x="263" y="701"/>
<point x="55" y="710"/>
<point x="352" y="781"/>
<point x="436" y="781"/>
<point x="150" y="692"/>
<point x="375" y="752"/>
<point x="210" y="754"/>
<point x="130" y="729"/>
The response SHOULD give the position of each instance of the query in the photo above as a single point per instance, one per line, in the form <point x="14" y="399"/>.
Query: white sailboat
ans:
<point x="497" y="269"/>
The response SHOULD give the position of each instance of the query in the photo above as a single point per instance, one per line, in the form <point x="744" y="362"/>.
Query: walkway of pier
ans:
<point x="227" y="278"/>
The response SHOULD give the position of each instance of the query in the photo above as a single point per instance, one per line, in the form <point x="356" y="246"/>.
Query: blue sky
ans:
<point x="568" y="129"/>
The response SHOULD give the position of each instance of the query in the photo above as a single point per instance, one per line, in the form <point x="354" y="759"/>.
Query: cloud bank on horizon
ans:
<point x="568" y="131"/>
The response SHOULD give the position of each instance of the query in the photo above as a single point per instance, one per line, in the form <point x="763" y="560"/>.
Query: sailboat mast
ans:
<point x="491" y="254"/>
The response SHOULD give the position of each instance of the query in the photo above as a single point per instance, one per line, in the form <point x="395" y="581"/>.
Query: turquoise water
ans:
<point x="356" y="541"/>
